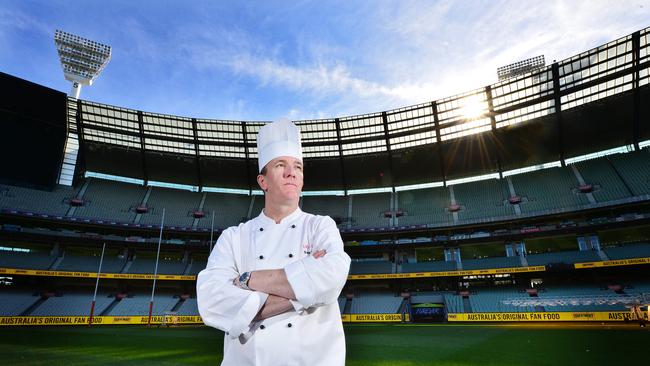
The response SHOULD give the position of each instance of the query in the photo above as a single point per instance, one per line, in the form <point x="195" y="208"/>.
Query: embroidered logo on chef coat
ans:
<point x="306" y="248"/>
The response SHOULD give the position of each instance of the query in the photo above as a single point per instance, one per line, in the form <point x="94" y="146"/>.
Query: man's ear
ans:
<point x="261" y="181"/>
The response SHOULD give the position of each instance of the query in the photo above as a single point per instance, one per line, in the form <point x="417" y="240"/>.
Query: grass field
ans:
<point x="367" y="345"/>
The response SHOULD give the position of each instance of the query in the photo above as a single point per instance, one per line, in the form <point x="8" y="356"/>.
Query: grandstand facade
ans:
<point x="536" y="201"/>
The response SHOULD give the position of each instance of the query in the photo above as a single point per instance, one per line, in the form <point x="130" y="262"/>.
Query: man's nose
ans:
<point x="290" y="171"/>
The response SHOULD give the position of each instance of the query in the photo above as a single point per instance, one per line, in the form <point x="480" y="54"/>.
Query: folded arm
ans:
<point x="274" y="281"/>
<point x="317" y="281"/>
<point x="222" y="304"/>
<point x="312" y="281"/>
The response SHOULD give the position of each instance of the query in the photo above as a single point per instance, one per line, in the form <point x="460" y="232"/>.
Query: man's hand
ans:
<point x="273" y="306"/>
<point x="319" y="253"/>
<point x="237" y="283"/>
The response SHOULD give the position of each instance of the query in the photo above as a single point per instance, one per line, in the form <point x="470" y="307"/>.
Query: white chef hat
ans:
<point x="280" y="138"/>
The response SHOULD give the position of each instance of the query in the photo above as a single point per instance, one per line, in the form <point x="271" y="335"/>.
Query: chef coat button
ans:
<point x="262" y="327"/>
<point x="289" y="325"/>
<point x="290" y="255"/>
<point x="293" y="226"/>
<point x="261" y="257"/>
<point x="261" y="229"/>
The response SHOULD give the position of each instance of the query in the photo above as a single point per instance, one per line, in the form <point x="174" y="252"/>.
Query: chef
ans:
<point x="272" y="283"/>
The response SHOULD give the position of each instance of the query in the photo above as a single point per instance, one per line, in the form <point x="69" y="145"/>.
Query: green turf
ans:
<point x="367" y="345"/>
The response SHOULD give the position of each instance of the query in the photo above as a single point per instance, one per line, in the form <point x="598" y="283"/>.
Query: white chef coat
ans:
<point x="310" y="335"/>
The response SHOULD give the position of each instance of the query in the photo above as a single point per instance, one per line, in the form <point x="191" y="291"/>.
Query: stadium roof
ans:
<point x="305" y="60"/>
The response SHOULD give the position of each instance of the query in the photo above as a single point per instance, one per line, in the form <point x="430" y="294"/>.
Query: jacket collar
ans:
<point x="265" y="221"/>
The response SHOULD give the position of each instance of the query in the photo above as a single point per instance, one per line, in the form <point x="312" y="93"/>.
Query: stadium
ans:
<point x="517" y="210"/>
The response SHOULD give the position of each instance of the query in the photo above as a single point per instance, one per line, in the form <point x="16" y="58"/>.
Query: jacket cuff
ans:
<point x="300" y="282"/>
<point x="245" y="316"/>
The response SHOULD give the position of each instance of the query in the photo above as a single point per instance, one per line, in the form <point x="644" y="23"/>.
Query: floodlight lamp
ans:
<point x="82" y="59"/>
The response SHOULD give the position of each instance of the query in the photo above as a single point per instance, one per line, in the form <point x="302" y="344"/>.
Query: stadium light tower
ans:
<point x="521" y="67"/>
<point x="82" y="59"/>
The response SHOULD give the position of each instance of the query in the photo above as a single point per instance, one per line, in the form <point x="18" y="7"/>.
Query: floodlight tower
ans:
<point x="521" y="67"/>
<point x="82" y="59"/>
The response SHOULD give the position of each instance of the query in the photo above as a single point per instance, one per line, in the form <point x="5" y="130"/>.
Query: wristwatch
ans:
<point x="243" y="280"/>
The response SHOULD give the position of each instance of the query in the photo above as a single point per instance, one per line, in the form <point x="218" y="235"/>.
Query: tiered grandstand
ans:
<point x="540" y="204"/>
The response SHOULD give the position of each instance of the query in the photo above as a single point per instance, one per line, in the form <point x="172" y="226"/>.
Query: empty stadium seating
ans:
<point x="634" y="168"/>
<point x="138" y="304"/>
<point x="375" y="303"/>
<point x="434" y="266"/>
<point x="178" y="206"/>
<point x="70" y="304"/>
<point x="367" y="266"/>
<point x="453" y="303"/>
<point x="548" y="189"/>
<point x="13" y="303"/>
<point x="368" y="210"/>
<point x="111" y="200"/>
<point x="419" y="298"/>
<point x="488" y="300"/>
<point x="229" y="210"/>
<point x="424" y="206"/>
<point x="628" y="251"/>
<point x="614" y="177"/>
<point x="188" y="307"/>
<point x="483" y="199"/>
<point x="78" y="263"/>
<point x="342" y="301"/>
<point x="33" y="260"/>
<point x="147" y="265"/>
<point x="334" y="206"/>
<point x="566" y="296"/>
<point x="494" y="262"/>
<point x="197" y="266"/>
<point x="33" y="200"/>
<point x="600" y="173"/>
<point x="566" y="257"/>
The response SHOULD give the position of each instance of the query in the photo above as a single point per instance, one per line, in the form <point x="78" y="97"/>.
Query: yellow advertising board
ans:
<point x="614" y="263"/>
<point x="474" y="272"/>
<point x="124" y="276"/>
<point x="377" y="276"/>
<point x="374" y="318"/>
<point x="171" y="319"/>
<point x="97" y="320"/>
<point x="560" y="316"/>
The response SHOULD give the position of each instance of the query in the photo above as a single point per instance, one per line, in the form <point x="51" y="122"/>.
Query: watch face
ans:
<point x="243" y="278"/>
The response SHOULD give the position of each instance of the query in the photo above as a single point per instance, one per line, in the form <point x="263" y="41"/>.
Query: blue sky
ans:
<point x="263" y="60"/>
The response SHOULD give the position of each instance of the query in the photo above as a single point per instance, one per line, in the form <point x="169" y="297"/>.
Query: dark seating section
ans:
<point x="613" y="178"/>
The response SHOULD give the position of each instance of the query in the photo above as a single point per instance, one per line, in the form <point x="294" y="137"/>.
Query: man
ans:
<point x="272" y="283"/>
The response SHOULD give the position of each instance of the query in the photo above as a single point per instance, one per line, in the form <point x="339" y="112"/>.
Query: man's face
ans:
<point x="283" y="180"/>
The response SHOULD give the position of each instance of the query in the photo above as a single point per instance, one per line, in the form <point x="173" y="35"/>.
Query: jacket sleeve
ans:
<point x="223" y="305"/>
<point x="318" y="282"/>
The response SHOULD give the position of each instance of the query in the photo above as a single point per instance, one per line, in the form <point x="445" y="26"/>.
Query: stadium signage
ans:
<point x="97" y="320"/>
<point x="378" y="276"/>
<point x="374" y="318"/>
<point x="167" y="319"/>
<point x="540" y="316"/>
<point x="614" y="263"/>
<point x="125" y="276"/>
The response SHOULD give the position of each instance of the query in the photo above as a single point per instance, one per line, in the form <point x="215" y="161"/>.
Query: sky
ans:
<point x="265" y="60"/>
